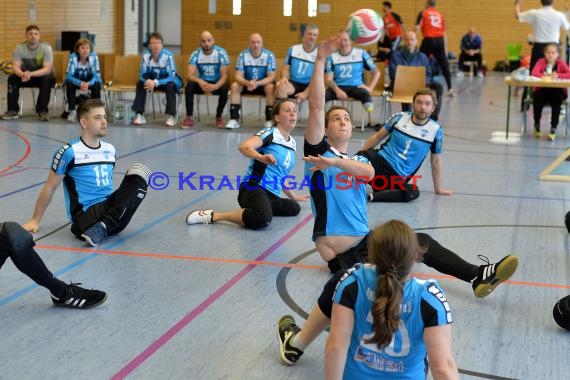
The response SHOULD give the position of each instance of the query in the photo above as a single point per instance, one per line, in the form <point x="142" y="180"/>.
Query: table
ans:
<point x="557" y="83"/>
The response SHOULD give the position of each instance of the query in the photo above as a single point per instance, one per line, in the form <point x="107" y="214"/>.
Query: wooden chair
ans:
<point x="106" y="67"/>
<point x="60" y="62"/>
<point x="124" y="79"/>
<point x="408" y="80"/>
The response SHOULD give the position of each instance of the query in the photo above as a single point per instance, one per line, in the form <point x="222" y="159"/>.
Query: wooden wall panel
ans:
<point x="53" y="17"/>
<point x="494" y="21"/>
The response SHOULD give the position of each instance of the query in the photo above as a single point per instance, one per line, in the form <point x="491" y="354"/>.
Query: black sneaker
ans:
<point x="10" y="115"/>
<point x="286" y="330"/>
<point x="80" y="298"/>
<point x="491" y="275"/>
<point x="95" y="234"/>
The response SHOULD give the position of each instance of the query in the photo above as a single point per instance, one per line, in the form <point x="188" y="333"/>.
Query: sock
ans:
<point x="234" y="111"/>
<point x="296" y="342"/>
<point x="268" y="111"/>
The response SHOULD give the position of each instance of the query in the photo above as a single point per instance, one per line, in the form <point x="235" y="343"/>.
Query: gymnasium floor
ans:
<point x="202" y="301"/>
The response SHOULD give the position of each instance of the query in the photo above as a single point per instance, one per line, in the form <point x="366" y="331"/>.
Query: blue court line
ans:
<point x="22" y="189"/>
<point x="159" y="144"/>
<point x="116" y="243"/>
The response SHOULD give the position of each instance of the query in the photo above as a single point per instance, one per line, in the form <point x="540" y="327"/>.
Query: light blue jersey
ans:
<point x="163" y="69"/>
<point x="410" y="143"/>
<point x="341" y="209"/>
<point x="78" y="72"/>
<point x="348" y="70"/>
<point x="424" y="304"/>
<point x="301" y="63"/>
<point x="271" y="177"/>
<point x="88" y="174"/>
<point x="209" y="65"/>
<point x="255" y="68"/>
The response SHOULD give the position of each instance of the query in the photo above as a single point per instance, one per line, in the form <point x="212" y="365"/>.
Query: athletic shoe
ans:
<point x="451" y="93"/>
<point x="139" y="119"/>
<point x="460" y="74"/>
<point x="537" y="134"/>
<point x="200" y="217"/>
<point x="480" y="74"/>
<point x="567" y="221"/>
<point x="552" y="136"/>
<point x="491" y="275"/>
<point x="10" y="115"/>
<point x="187" y="122"/>
<point x="80" y="298"/>
<point x="170" y="121"/>
<point x="268" y="124"/>
<point x="72" y="116"/>
<point x="95" y="234"/>
<point x="219" y="123"/>
<point x="232" y="124"/>
<point x="286" y="330"/>
<point x="43" y="116"/>
<point x="562" y="111"/>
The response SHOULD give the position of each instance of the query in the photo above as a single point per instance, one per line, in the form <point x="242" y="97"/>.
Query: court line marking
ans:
<point x="258" y="262"/>
<point x="117" y="242"/>
<point x="24" y="156"/>
<point x="171" y="333"/>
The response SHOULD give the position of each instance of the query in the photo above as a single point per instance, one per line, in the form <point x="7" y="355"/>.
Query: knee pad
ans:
<point x="141" y="170"/>
<point x="255" y="220"/>
<point x="411" y="192"/>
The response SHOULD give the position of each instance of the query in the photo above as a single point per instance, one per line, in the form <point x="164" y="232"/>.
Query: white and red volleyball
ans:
<point x="365" y="27"/>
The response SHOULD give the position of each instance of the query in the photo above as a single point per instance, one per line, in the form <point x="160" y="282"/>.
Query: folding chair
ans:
<point x="60" y="62"/>
<point x="124" y="79"/>
<point x="408" y="80"/>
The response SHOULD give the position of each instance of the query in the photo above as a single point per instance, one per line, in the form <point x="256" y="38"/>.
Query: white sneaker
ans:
<point x="480" y="74"/>
<point x="170" y="121"/>
<point x="460" y="74"/>
<point x="451" y="93"/>
<point x="232" y="124"/>
<point x="268" y="124"/>
<point x="139" y="119"/>
<point x="72" y="117"/>
<point x="200" y="217"/>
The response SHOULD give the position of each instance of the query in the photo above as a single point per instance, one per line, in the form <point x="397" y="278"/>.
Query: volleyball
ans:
<point x="365" y="27"/>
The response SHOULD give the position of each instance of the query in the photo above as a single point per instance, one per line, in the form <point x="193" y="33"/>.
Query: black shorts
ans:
<point x="299" y="87"/>
<point x="258" y="91"/>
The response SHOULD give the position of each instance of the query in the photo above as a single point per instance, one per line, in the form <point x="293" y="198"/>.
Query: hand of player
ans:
<point x="319" y="162"/>
<point x="149" y="84"/>
<point x="328" y="47"/>
<point x="340" y="94"/>
<point x="84" y="86"/>
<point x="31" y="226"/>
<point x="301" y="96"/>
<point x="251" y="85"/>
<point x="444" y="192"/>
<point x="301" y="198"/>
<point x="267" y="159"/>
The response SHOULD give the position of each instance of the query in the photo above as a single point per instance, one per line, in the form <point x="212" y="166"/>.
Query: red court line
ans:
<point x="261" y="263"/>
<point x="26" y="154"/>
<point x="170" y="333"/>
<point x="179" y="257"/>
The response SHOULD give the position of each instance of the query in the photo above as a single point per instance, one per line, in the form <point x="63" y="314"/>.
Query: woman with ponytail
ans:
<point x="384" y="322"/>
